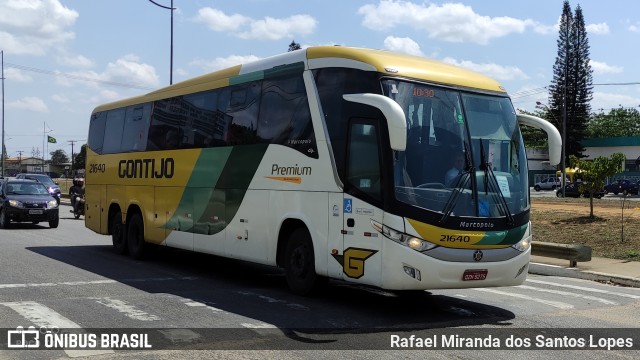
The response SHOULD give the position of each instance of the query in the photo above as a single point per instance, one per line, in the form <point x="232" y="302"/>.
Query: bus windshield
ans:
<point x="464" y="153"/>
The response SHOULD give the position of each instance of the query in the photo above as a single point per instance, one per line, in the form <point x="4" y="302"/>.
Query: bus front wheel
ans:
<point x="117" y="234"/>
<point x="135" y="236"/>
<point x="300" y="268"/>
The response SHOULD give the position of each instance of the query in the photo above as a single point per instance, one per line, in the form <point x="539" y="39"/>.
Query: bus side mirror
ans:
<point x="555" y="141"/>
<point x="392" y="111"/>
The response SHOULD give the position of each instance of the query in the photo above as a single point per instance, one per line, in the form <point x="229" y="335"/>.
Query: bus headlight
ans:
<point x="523" y="245"/>
<point x="407" y="240"/>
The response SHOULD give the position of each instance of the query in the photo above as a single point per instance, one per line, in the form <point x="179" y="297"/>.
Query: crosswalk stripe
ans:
<point x="199" y="304"/>
<point x="126" y="309"/>
<point x="584" y="288"/>
<point x="41" y="315"/>
<point x="94" y="282"/>
<point x="557" y="304"/>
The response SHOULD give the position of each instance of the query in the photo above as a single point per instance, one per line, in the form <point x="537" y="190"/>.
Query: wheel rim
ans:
<point x="298" y="263"/>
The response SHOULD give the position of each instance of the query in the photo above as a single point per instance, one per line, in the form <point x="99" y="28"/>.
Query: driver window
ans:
<point x="363" y="169"/>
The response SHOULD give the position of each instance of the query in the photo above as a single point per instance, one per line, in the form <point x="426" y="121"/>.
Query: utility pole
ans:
<point x="20" y="160"/>
<point x="2" y="77"/>
<point x="72" y="160"/>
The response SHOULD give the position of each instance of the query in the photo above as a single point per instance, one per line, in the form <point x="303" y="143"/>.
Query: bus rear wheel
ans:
<point x="117" y="234"/>
<point x="299" y="264"/>
<point x="135" y="236"/>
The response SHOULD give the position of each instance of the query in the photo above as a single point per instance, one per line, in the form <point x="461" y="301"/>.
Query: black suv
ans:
<point x="53" y="188"/>
<point x="24" y="200"/>
<point x="573" y="190"/>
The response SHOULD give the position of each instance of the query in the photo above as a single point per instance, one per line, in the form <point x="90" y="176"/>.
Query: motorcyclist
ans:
<point x="76" y="191"/>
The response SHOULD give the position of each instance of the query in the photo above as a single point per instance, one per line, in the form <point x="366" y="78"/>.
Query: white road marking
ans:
<point x="584" y="288"/>
<point x="566" y="293"/>
<point x="199" y="304"/>
<point x="264" y="329"/>
<point x="41" y="315"/>
<point x="274" y="300"/>
<point x="556" y="304"/>
<point x="73" y="283"/>
<point x="91" y="282"/>
<point x="259" y="326"/>
<point x="126" y="309"/>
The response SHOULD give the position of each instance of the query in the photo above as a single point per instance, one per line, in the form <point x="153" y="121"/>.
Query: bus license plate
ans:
<point x="470" y="275"/>
<point x="35" y="212"/>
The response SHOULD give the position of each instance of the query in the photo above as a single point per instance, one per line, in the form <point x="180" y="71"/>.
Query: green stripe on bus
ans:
<point x="216" y="188"/>
<point x="294" y="68"/>
<point x="508" y="237"/>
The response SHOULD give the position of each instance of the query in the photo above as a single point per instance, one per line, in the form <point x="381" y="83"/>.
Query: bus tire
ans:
<point x="299" y="264"/>
<point x="117" y="234"/>
<point x="135" y="237"/>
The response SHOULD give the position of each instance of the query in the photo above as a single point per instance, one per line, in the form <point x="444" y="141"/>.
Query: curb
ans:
<point x="554" y="270"/>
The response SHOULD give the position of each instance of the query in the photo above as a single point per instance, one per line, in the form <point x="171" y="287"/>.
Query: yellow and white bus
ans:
<point x="329" y="162"/>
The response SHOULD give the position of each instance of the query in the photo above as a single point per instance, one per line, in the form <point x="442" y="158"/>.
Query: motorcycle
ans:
<point x="78" y="205"/>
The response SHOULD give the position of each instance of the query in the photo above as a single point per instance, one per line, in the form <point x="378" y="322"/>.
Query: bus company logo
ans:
<point x="291" y="174"/>
<point x="290" y="170"/>
<point x="23" y="339"/>
<point x="476" y="225"/>
<point x="352" y="261"/>
<point x="477" y="255"/>
<point x="146" y="168"/>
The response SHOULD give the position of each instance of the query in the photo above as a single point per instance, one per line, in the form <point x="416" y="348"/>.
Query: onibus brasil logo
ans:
<point x="51" y="337"/>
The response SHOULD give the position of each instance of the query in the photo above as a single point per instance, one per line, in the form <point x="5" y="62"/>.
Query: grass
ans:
<point x="567" y="221"/>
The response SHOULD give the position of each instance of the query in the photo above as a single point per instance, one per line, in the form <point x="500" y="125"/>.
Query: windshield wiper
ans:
<point x="460" y="184"/>
<point x="491" y="186"/>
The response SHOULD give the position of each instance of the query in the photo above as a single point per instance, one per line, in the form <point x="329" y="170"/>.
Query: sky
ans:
<point x="62" y="58"/>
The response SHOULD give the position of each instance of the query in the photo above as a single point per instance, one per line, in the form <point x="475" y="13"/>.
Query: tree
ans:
<point x="595" y="172"/>
<point x="618" y="122"/>
<point x="80" y="158"/>
<point x="294" y="46"/>
<point x="571" y="88"/>
<point x="534" y="137"/>
<point x="59" y="157"/>
<point x="35" y="152"/>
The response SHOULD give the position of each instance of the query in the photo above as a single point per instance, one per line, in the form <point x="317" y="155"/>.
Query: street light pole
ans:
<point x="564" y="131"/>
<point x="2" y="77"/>
<point x="171" y="8"/>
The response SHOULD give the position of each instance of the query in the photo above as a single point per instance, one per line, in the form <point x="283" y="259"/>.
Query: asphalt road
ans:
<point x="69" y="277"/>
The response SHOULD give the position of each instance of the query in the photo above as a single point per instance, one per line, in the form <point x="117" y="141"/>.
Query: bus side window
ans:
<point x="243" y="108"/>
<point x="113" y="131"/>
<point x="96" y="131"/>
<point x="284" y="117"/>
<point x="136" y="127"/>
<point x="363" y="169"/>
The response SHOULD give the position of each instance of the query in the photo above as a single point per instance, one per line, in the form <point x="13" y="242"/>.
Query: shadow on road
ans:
<point x="247" y="289"/>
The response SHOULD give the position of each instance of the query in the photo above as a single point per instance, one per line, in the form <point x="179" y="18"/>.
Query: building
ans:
<point x="539" y="167"/>
<point x="17" y="165"/>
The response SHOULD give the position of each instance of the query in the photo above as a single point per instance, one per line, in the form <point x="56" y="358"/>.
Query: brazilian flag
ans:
<point x="51" y="139"/>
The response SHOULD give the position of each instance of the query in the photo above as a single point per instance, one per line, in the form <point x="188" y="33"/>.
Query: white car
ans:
<point x="547" y="184"/>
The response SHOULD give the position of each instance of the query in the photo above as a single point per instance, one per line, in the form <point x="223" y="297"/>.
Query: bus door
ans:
<point x="361" y="203"/>
<point x="96" y="196"/>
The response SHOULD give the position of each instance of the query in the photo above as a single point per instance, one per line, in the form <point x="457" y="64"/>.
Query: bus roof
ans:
<point x="385" y="62"/>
